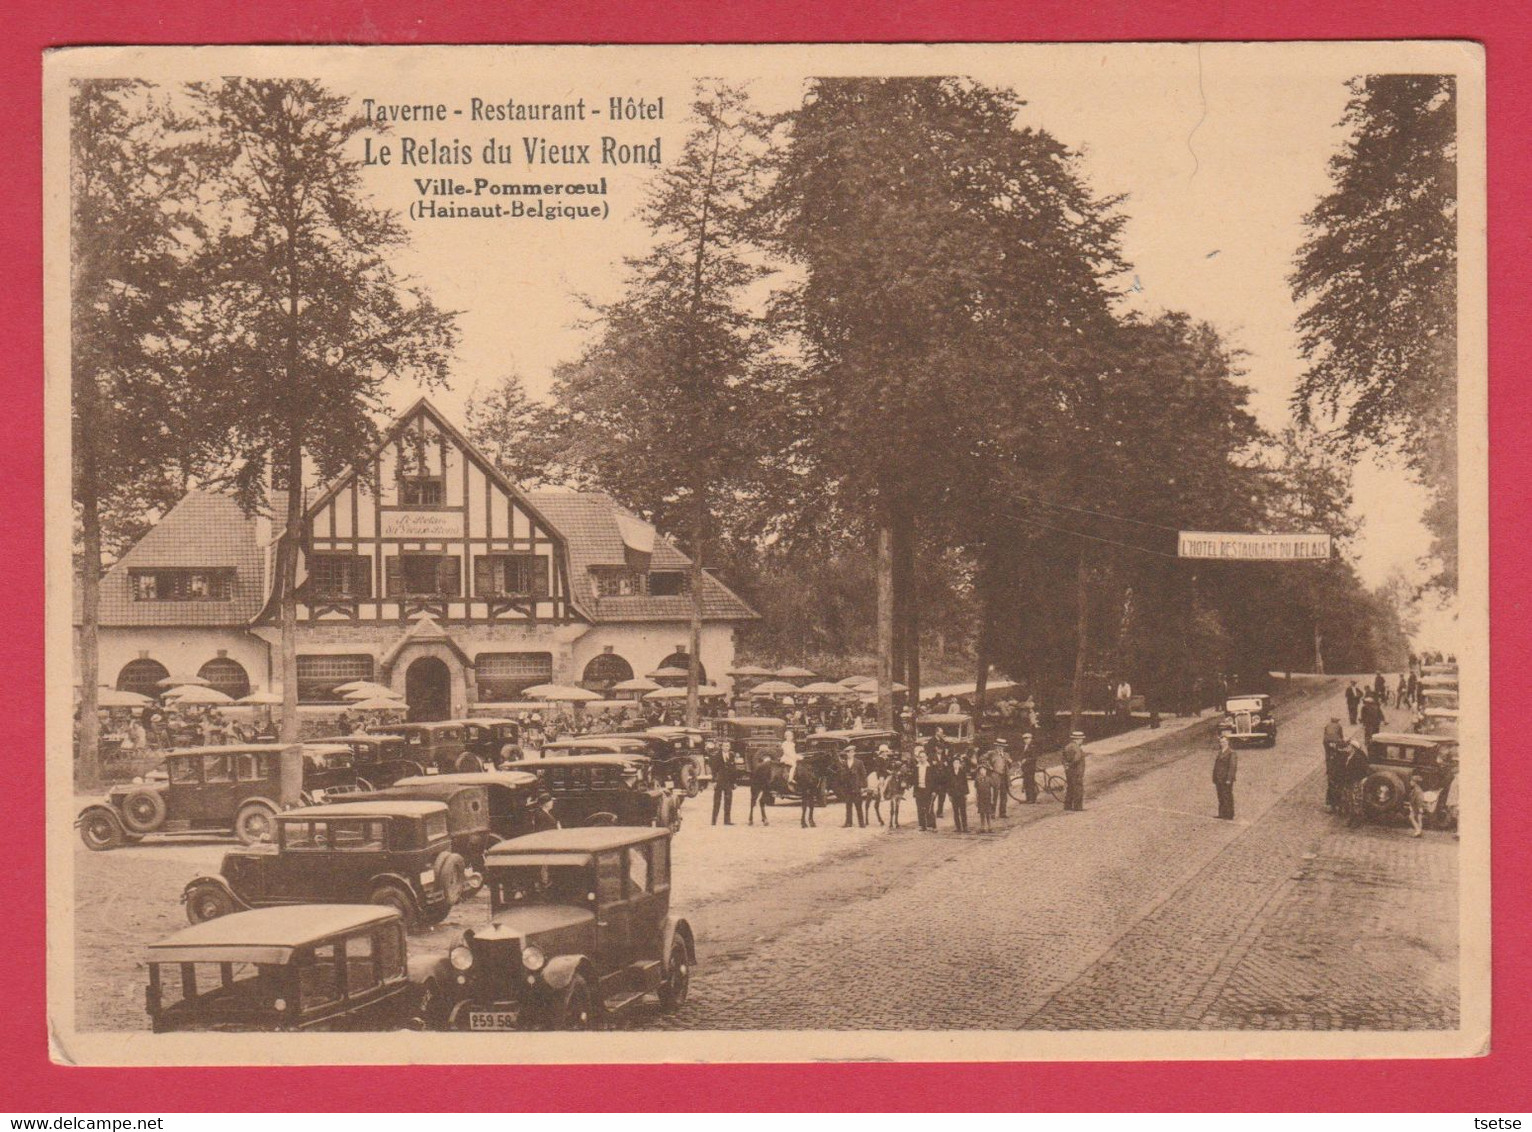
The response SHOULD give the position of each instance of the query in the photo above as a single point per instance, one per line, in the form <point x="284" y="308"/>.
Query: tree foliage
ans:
<point x="1377" y="280"/>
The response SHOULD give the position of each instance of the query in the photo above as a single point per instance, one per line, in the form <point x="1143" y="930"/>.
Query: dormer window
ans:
<point x="182" y="584"/>
<point x="616" y="581"/>
<point x="668" y="583"/>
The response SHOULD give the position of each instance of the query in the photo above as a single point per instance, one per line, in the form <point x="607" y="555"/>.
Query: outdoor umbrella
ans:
<point x="560" y="692"/>
<point x="667" y="673"/>
<point x="181" y="681"/>
<point x="751" y="670"/>
<point x="793" y="672"/>
<point x="112" y="697"/>
<point x="260" y="699"/>
<point x="353" y="685"/>
<point x="637" y="684"/>
<point x="775" y="688"/>
<point x="379" y="703"/>
<point x="825" y="688"/>
<point x="855" y="681"/>
<point x="197" y="694"/>
<point x="374" y="691"/>
<point x="704" y="690"/>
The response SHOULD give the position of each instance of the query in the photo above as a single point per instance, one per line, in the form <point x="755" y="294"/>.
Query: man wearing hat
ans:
<point x="921" y="780"/>
<point x="1028" y="758"/>
<point x="1074" y="771"/>
<point x="851" y="781"/>
<point x="1225" y="766"/>
<point x="1335" y="761"/>
<point x="1000" y="771"/>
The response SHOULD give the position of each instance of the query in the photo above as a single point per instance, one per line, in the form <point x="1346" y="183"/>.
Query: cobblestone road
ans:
<point x="1141" y="912"/>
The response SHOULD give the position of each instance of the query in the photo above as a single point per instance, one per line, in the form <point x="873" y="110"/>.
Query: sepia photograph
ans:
<point x="766" y="553"/>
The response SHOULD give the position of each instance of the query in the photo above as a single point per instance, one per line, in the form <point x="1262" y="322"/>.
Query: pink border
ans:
<point x="1498" y="1082"/>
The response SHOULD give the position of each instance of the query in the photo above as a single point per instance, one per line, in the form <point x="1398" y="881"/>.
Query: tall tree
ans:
<point x="663" y="408"/>
<point x="1377" y="281"/>
<point x="128" y="252"/>
<point x="518" y="435"/>
<point x="953" y="266"/>
<point x="313" y="320"/>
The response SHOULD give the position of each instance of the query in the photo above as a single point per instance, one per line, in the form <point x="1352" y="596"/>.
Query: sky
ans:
<point x="1219" y="151"/>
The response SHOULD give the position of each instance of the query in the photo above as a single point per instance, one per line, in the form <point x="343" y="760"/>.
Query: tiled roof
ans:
<point x="204" y="529"/>
<point x="588" y="521"/>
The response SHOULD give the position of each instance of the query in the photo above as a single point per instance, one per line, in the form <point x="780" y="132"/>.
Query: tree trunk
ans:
<point x="904" y="549"/>
<point x="287" y="580"/>
<point x="900" y="671"/>
<point x="1319" y="656"/>
<point x="694" y="665"/>
<point x="981" y="645"/>
<point x="1082" y="624"/>
<point x="87" y="769"/>
<point x="886" y="624"/>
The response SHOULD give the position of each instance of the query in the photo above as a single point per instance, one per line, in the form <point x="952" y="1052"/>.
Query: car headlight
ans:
<point x="532" y="958"/>
<point x="460" y="957"/>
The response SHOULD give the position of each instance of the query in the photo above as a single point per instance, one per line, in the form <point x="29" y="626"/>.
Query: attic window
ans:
<point x="668" y="583"/>
<point x="615" y="581"/>
<point x="199" y="584"/>
<point x="422" y="491"/>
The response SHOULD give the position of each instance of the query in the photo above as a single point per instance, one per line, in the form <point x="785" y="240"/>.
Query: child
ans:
<point x="984" y="796"/>
<point x="876" y="777"/>
<point x="893" y="790"/>
<point x="1417" y="803"/>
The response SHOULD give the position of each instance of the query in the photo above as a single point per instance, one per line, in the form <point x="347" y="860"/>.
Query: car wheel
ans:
<point x="451" y="874"/>
<point x="101" y="831"/>
<point x="678" y="977"/>
<point x="468" y="764"/>
<point x="143" y="811"/>
<point x="207" y="902"/>
<point x="392" y="896"/>
<point x="574" y="1009"/>
<point x="254" y="822"/>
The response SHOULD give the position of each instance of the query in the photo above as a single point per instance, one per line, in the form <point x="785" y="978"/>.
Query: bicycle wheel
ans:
<point x="1054" y="784"/>
<point x="1015" y="786"/>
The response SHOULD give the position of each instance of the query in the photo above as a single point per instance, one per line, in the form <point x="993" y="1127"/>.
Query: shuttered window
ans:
<point x="506" y="575"/>
<point x="423" y="575"/>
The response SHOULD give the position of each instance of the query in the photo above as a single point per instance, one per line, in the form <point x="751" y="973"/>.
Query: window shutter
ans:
<point x="539" y="579"/>
<point x="361" y="576"/>
<point x="449" y="575"/>
<point x="483" y="575"/>
<point x="392" y="583"/>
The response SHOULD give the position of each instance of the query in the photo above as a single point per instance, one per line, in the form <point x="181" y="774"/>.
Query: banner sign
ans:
<point x="423" y="524"/>
<point x="1260" y="548"/>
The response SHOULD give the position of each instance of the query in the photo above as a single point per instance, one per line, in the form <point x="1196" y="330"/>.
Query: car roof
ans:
<point x="265" y="935"/>
<point x="488" y="720"/>
<point x="578" y="760"/>
<point x="434" y="725"/>
<point x="347" y="740"/>
<point x="472" y="778"/>
<point x="230" y="749"/>
<point x="1410" y="739"/>
<point x="585" y="839"/>
<point x="854" y="733"/>
<point x="634" y="742"/>
<point x="960" y="717"/>
<point x="408" y="809"/>
<point x="665" y="731"/>
<point x="325" y="747"/>
<point x="755" y="720"/>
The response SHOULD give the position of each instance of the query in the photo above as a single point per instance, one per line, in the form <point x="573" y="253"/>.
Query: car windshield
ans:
<point x="538" y="884"/>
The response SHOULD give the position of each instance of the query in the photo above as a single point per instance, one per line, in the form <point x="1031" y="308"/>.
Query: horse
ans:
<point x="760" y="770"/>
<point x="811" y="785"/>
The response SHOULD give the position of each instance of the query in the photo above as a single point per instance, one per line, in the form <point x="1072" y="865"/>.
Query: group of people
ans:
<point x="1347" y="768"/>
<point x="1404" y="692"/>
<point x="936" y="773"/>
<point x="155" y="727"/>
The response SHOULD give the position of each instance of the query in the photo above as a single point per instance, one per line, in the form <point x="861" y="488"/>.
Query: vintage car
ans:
<point x="676" y="753"/>
<point x="1249" y="719"/>
<point x="303" y="967"/>
<point x="1443" y="697"/>
<point x="329" y="770"/>
<point x="747" y="735"/>
<point x="956" y="730"/>
<point x="1392" y="757"/>
<point x="580" y="931"/>
<point x="604" y="790"/>
<point x="440" y="746"/>
<point x="1439" y="721"/>
<point x="397" y="853"/>
<point x="235" y="789"/>
<point x="379" y="760"/>
<point x="491" y="740"/>
<point x="483" y="807"/>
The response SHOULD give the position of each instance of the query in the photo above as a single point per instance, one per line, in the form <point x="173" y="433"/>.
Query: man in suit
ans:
<point x="1353" y="700"/>
<point x="721" y="764"/>
<point x="851" y="781"/>
<point x="921" y="779"/>
<point x="1225" y="766"/>
<point x="1000" y="770"/>
<point x="1372" y="716"/>
<point x="1028" y="758"/>
<point x="1074" y="771"/>
<point x="1335" y="761"/>
<point x="958" y="773"/>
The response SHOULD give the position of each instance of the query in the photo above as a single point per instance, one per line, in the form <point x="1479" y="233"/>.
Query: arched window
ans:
<point x="683" y="661"/>
<point x="227" y="676"/>
<point x="142" y="676"/>
<point x="605" y="670"/>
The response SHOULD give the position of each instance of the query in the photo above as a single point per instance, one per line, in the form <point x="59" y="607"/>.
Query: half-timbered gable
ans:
<point x="426" y="525"/>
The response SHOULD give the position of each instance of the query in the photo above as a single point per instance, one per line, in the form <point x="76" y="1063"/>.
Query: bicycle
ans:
<point x="1048" y="781"/>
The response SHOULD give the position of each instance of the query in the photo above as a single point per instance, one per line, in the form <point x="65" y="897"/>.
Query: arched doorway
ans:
<point x="604" y="670"/>
<point x="683" y="661"/>
<point x="428" y="689"/>
<point x="142" y="676"/>
<point x="227" y="675"/>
